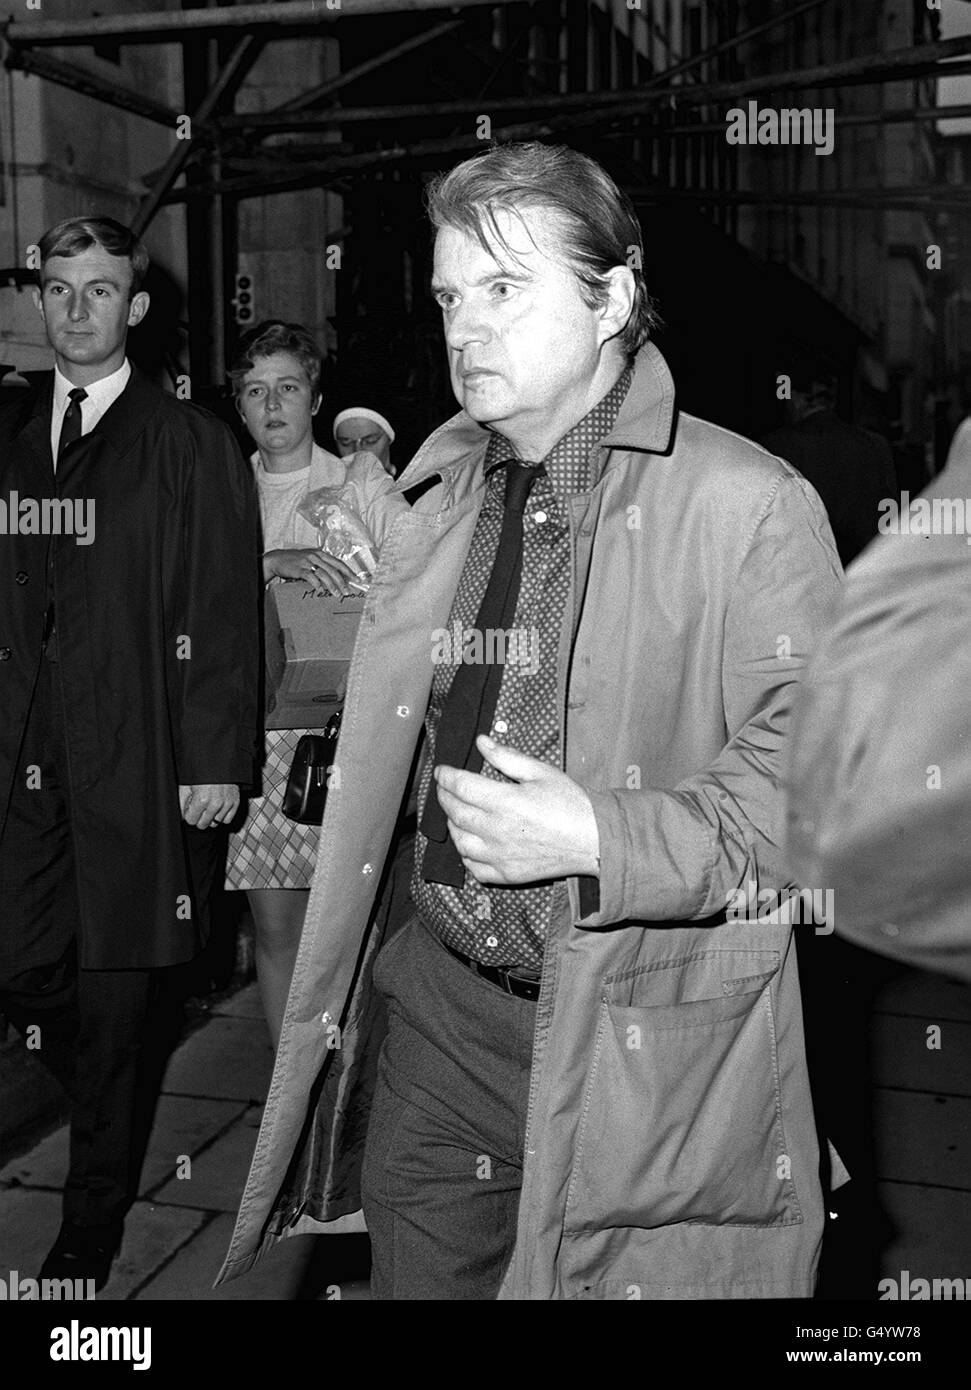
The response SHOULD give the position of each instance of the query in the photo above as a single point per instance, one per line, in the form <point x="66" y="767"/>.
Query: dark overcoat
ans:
<point x="157" y="642"/>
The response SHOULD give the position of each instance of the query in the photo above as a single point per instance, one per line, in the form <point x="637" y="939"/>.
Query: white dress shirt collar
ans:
<point x="100" y="395"/>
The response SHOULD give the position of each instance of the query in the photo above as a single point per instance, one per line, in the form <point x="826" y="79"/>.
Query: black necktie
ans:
<point x="472" y="697"/>
<point x="71" y="424"/>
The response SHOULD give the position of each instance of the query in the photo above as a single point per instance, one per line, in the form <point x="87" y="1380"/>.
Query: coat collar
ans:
<point x="120" y="425"/>
<point x="646" y="419"/>
<point x="323" y="467"/>
<point x="645" y="424"/>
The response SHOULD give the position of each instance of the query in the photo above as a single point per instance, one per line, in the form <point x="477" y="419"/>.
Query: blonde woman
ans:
<point x="276" y="381"/>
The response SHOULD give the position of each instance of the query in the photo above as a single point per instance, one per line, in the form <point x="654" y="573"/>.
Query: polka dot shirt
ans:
<point x="507" y="926"/>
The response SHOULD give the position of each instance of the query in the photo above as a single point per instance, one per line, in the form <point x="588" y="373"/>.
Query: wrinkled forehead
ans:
<point x="500" y="238"/>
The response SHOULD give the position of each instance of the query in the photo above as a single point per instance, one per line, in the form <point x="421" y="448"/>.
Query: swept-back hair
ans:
<point x="273" y="335"/>
<point x="595" y="221"/>
<point x="79" y="234"/>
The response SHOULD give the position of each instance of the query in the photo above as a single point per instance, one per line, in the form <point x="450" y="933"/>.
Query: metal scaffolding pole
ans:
<point x="890" y="66"/>
<point x="333" y="169"/>
<point x="847" y="119"/>
<point x="390" y="55"/>
<point x="172" y="25"/>
<point x="333" y="172"/>
<point x="269" y="157"/>
<point x="916" y="197"/>
<point x="179" y="157"/>
<point x="78" y="80"/>
<point x="726" y="45"/>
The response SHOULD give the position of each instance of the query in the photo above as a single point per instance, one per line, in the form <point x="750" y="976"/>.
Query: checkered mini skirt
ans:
<point x="270" y="850"/>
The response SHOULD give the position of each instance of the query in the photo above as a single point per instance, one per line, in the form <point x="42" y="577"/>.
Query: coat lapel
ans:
<point x="33" y="438"/>
<point x="120" y="426"/>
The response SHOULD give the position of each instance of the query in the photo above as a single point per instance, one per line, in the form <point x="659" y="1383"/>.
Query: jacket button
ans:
<point x="21" y="576"/>
<point x="5" y="653"/>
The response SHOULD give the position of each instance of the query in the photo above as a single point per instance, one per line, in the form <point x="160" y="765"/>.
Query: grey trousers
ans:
<point x="443" y="1162"/>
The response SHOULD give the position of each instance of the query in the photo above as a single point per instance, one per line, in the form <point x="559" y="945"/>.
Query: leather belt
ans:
<point x="506" y="979"/>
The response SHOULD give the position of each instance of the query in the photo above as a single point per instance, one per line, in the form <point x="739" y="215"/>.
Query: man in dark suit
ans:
<point x="128" y="679"/>
<point x="851" y="468"/>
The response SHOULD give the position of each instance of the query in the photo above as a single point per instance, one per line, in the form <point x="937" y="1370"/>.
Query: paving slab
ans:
<point x="245" y="1003"/>
<point x="925" y="995"/>
<point x="32" y="1100"/>
<point x="230" y="1058"/>
<point x="358" y="1291"/>
<point x="217" y="1176"/>
<point x="153" y="1234"/>
<point x="933" y="1237"/>
<point x="29" y="1221"/>
<point x="914" y="1054"/>
<point x="924" y="1139"/>
<point x="183" y="1125"/>
<point x="44" y="1166"/>
<point x="190" y="1274"/>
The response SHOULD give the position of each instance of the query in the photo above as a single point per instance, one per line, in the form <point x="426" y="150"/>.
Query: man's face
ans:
<point x="277" y="403"/>
<point x="357" y="432"/>
<point x="84" y="302"/>
<point x="522" y="344"/>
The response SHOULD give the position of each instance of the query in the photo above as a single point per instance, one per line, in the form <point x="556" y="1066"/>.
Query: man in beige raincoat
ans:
<point x="593" y="1083"/>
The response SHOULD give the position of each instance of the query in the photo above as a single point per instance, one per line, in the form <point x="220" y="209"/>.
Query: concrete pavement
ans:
<point x="178" y="1231"/>
<point x="216" y="1081"/>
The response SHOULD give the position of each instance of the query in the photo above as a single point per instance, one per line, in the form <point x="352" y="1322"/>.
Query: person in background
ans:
<point x="359" y="428"/>
<point x="879" y="775"/>
<point x="851" y="468"/>
<point x="129" y="682"/>
<point x="276" y="376"/>
<point x="879" y="812"/>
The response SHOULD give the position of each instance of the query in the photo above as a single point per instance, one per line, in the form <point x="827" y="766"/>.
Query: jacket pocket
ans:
<point x="681" y="1117"/>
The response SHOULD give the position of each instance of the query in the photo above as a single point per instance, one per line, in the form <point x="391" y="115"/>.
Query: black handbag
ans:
<point x="306" y="789"/>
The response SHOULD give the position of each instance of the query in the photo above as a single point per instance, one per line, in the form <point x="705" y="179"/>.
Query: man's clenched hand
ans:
<point x="539" y="826"/>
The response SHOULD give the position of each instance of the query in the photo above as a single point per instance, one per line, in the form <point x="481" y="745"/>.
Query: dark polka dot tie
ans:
<point x="474" y="692"/>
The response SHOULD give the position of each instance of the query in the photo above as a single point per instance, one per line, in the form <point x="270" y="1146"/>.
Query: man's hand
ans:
<point x="207" y="804"/>
<point x="324" y="573"/>
<point x="541" y="827"/>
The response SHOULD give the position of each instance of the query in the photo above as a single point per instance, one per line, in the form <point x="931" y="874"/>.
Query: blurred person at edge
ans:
<point x="588" y="1070"/>
<point x="129" y="684"/>
<point x="879" y="772"/>
<point x="276" y="382"/>
<point x="360" y="427"/>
